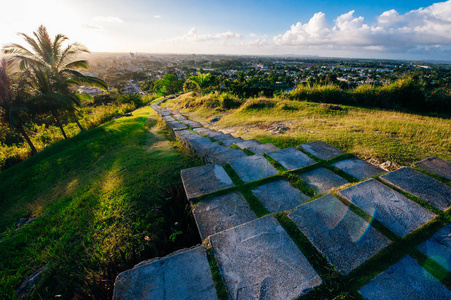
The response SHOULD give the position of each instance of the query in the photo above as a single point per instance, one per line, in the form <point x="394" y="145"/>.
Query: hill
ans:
<point x="94" y="200"/>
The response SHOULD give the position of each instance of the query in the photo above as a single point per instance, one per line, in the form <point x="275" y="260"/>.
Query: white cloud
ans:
<point x="430" y="26"/>
<point x="108" y="19"/>
<point x="193" y="36"/>
<point x="92" y="27"/>
<point x="157" y="17"/>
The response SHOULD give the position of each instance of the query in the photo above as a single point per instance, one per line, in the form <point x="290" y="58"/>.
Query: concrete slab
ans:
<point x="182" y="275"/>
<point x="176" y="125"/>
<point x="209" y="154"/>
<point x="279" y="196"/>
<point x="258" y="260"/>
<point x="180" y="117"/>
<point x="438" y="247"/>
<point x="395" y="211"/>
<point x="256" y="147"/>
<point x="191" y="124"/>
<point x="436" y="165"/>
<point x="231" y="141"/>
<point x="203" y="180"/>
<point x="358" y="168"/>
<point x="424" y="187"/>
<point x="202" y="131"/>
<point x="323" y="180"/>
<point x="168" y="118"/>
<point x="405" y="280"/>
<point x="227" y="156"/>
<point x="193" y="143"/>
<point x="219" y="136"/>
<point x="343" y="237"/>
<point x="291" y="158"/>
<point x="221" y="213"/>
<point x="185" y="135"/>
<point x="321" y="150"/>
<point x="251" y="168"/>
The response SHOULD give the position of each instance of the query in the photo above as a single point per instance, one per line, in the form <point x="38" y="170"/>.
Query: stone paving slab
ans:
<point x="180" y="117"/>
<point x="168" y="118"/>
<point x="321" y="150"/>
<point x="248" y="143"/>
<point x="438" y="247"/>
<point x="221" y="213"/>
<point x="227" y="156"/>
<point x="176" y="125"/>
<point x="222" y="136"/>
<point x="279" y="196"/>
<point x="202" y="130"/>
<point x="193" y="143"/>
<point x="424" y="187"/>
<point x="251" y="168"/>
<point x="405" y="280"/>
<point x="323" y="180"/>
<point x="258" y="260"/>
<point x="291" y="158"/>
<point x="184" y="135"/>
<point x="395" y="211"/>
<point x="358" y="168"/>
<point x="436" y="165"/>
<point x="343" y="237"/>
<point x="183" y="275"/>
<point x="192" y="124"/>
<point x="203" y="180"/>
<point x="256" y="147"/>
<point x="231" y="141"/>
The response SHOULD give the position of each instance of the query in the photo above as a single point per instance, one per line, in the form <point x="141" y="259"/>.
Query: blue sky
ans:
<point x="373" y="29"/>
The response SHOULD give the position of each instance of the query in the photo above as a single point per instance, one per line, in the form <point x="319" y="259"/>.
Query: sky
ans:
<point x="407" y="29"/>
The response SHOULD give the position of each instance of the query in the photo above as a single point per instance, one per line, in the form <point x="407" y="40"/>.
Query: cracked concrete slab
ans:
<point x="258" y="260"/>
<point x="182" y="275"/>
<point x="221" y="213"/>
<point x="398" y="213"/>
<point x="176" y="125"/>
<point x="203" y="180"/>
<point x="344" y="238"/>
<point x="227" y="156"/>
<point x="424" y="187"/>
<point x="279" y="196"/>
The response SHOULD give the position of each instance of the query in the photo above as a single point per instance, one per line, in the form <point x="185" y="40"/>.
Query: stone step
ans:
<point x="438" y="247"/>
<point x="184" y="274"/>
<point x="251" y="168"/>
<point x="435" y="165"/>
<point x="291" y="159"/>
<point x="358" y="168"/>
<point x="321" y="150"/>
<point x="323" y="180"/>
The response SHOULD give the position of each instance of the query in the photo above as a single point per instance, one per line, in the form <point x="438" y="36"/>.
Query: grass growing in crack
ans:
<point x="221" y="291"/>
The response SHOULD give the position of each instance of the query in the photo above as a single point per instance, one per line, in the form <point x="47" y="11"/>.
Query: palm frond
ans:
<point x="79" y="64"/>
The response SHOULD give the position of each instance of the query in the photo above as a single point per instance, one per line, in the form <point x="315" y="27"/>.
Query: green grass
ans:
<point x="96" y="198"/>
<point x="402" y="138"/>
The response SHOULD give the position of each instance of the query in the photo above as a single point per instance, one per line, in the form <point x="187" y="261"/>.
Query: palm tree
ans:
<point x="12" y="104"/>
<point x="201" y="81"/>
<point x="53" y="71"/>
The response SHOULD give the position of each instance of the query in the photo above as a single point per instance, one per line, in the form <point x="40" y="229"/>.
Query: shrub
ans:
<point x="258" y="103"/>
<point x="229" y="101"/>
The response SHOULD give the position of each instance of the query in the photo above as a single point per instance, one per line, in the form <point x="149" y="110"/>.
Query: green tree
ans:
<point x="53" y="71"/>
<point x="12" y="101"/>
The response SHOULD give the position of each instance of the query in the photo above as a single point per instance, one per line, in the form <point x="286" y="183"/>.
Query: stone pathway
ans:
<point x="258" y="259"/>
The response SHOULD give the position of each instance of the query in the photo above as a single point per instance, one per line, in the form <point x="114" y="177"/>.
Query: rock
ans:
<point x="215" y="119"/>
<point x="387" y="166"/>
<point x="129" y="114"/>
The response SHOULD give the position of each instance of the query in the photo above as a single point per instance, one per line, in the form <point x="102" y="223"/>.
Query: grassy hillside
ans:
<point x="368" y="133"/>
<point x="96" y="198"/>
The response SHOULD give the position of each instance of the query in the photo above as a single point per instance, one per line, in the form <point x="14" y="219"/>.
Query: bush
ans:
<point x="258" y="103"/>
<point x="229" y="101"/>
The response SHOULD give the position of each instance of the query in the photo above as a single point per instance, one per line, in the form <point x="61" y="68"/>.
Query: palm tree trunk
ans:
<point x="59" y="125"/>
<point x="78" y="123"/>
<point x="25" y="135"/>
